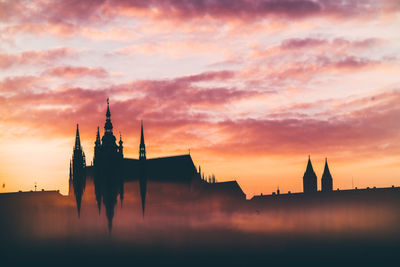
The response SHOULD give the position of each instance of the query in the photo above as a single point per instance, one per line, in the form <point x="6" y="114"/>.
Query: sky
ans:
<point x="250" y="87"/>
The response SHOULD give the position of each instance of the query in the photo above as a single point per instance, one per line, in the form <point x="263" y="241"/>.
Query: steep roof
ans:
<point x="309" y="170"/>
<point x="169" y="169"/>
<point x="327" y="173"/>
<point x="225" y="188"/>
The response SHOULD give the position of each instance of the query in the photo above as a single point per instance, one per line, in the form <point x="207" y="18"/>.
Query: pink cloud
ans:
<point x="74" y="11"/>
<point x="34" y="57"/>
<point x="73" y="72"/>
<point x="176" y="111"/>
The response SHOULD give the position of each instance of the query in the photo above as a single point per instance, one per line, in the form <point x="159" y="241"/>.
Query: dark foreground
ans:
<point x="43" y="229"/>
<point x="229" y="249"/>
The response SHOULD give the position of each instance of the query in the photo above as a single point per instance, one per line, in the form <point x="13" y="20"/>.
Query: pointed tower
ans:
<point x="309" y="179"/>
<point x="70" y="182"/>
<point x="326" y="180"/>
<point x="97" y="146"/>
<point x="78" y="170"/>
<point x="77" y="145"/>
<point x="108" y="139"/>
<point x="142" y="147"/>
<point x="143" y="177"/>
<point x="120" y="147"/>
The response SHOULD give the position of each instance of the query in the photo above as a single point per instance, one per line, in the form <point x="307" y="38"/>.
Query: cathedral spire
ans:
<point x="108" y="127"/>
<point x="326" y="180"/>
<point x="108" y="113"/>
<point x="309" y="166"/>
<point x="97" y="142"/>
<point x="309" y="178"/>
<point x="121" y="151"/>
<point x="77" y="138"/>
<point x="142" y="147"/>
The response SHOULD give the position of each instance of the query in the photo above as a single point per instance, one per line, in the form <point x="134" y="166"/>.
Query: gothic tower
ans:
<point x="108" y="160"/>
<point x="78" y="170"/>
<point x="143" y="177"/>
<point x="70" y="182"/>
<point x="97" y="146"/>
<point x="142" y="147"/>
<point x="326" y="180"/>
<point x="120" y="147"/>
<point x="309" y="179"/>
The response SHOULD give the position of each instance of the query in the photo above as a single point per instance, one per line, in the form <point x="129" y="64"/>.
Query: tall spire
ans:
<point x="121" y="148"/>
<point x="108" y="113"/>
<point x="309" y="178"/>
<point x="108" y="125"/>
<point x="120" y="139"/>
<point x="326" y="180"/>
<point x="309" y="166"/>
<point x="97" y="142"/>
<point x="77" y="138"/>
<point x="142" y="147"/>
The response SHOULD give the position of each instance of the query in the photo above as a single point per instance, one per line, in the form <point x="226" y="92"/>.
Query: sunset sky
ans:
<point x="250" y="87"/>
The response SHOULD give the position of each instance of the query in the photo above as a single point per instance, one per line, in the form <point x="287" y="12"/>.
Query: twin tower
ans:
<point x="310" y="179"/>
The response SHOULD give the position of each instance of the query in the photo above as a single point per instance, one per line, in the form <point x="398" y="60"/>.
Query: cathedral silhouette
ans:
<point x="111" y="172"/>
<point x="310" y="179"/>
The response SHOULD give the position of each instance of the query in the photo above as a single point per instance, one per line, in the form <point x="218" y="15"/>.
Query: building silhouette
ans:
<point x="309" y="179"/>
<point x="326" y="179"/>
<point x="111" y="172"/>
<point x="77" y="176"/>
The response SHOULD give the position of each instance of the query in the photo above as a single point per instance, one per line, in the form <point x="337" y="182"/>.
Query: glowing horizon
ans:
<point x="250" y="87"/>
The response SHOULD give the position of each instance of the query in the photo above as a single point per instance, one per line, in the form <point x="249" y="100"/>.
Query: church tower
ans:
<point x="78" y="170"/>
<point x="70" y="182"/>
<point x="108" y="162"/>
<point x="142" y="147"/>
<point x="309" y="179"/>
<point x="143" y="176"/>
<point x="326" y="180"/>
<point x="97" y="146"/>
<point x="120" y="147"/>
<point x="108" y="139"/>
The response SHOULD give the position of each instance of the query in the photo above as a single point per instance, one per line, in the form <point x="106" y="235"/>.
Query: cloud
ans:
<point x="94" y="12"/>
<point x="19" y="84"/>
<point x="178" y="111"/>
<point x="33" y="57"/>
<point x="159" y="100"/>
<point x="365" y="129"/>
<point x="73" y="72"/>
